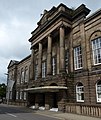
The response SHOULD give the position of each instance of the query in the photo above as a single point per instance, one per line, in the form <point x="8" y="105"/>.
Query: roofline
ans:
<point x="93" y="15"/>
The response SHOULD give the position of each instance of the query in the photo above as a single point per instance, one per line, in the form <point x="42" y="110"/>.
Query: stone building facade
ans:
<point x="64" y="68"/>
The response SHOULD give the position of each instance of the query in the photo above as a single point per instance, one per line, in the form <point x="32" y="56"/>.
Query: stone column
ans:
<point x="62" y="49"/>
<point x="40" y="60"/>
<point x="32" y="65"/>
<point x="49" y="55"/>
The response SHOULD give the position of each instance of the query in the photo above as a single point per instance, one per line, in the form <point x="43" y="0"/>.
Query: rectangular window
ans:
<point x="80" y="94"/>
<point x="10" y="95"/>
<point x="54" y="66"/>
<point x="17" y="95"/>
<point x="25" y="96"/>
<point x="22" y="76"/>
<point x="20" y="95"/>
<point x="18" y="78"/>
<point x="96" y="49"/>
<point x="66" y="60"/>
<point x="36" y="72"/>
<point x="77" y="58"/>
<point x="44" y="69"/>
<point x="26" y="75"/>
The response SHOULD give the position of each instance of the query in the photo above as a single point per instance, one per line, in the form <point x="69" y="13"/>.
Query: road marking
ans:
<point x="11" y="115"/>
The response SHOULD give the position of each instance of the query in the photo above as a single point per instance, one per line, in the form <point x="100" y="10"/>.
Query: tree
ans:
<point x="2" y="91"/>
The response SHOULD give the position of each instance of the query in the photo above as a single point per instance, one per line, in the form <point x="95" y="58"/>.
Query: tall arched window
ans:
<point x="26" y="75"/>
<point x="22" y="75"/>
<point x="98" y="91"/>
<point x="80" y="92"/>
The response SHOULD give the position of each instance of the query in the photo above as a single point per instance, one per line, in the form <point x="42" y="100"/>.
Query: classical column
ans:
<point x="49" y="55"/>
<point x="32" y="65"/>
<point x="40" y="60"/>
<point x="62" y="49"/>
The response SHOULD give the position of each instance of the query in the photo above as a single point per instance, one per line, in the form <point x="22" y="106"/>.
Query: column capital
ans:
<point x="62" y="26"/>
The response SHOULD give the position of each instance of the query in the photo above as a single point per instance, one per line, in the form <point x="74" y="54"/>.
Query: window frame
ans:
<point x="17" y="95"/>
<point x="95" y="49"/>
<point x="22" y="75"/>
<point x="44" y="69"/>
<point x="25" y="95"/>
<point x="54" y="65"/>
<point x="26" y="75"/>
<point x="36" y="72"/>
<point x="78" y="63"/>
<point x="79" y="92"/>
<point x="66" y="60"/>
<point x="97" y="98"/>
<point x="21" y="94"/>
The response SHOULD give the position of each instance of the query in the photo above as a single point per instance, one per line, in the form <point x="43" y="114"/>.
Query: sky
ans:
<point x="18" y="18"/>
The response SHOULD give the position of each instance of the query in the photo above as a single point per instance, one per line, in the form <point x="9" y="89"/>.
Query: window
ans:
<point x="80" y="92"/>
<point x="96" y="49"/>
<point x="20" y="95"/>
<point x="10" y="95"/>
<point x="66" y="60"/>
<point x="18" y="78"/>
<point x="54" y="66"/>
<point x="77" y="58"/>
<point x="25" y="96"/>
<point x="22" y="76"/>
<point x="44" y="69"/>
<point x="36" y="72"/>
<point x="17" y="95"/>
<point x="98" y="91"/>
<point x="26" y="75"/>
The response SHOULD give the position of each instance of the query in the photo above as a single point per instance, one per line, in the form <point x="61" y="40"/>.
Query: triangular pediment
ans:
<point x="12" y="62"/>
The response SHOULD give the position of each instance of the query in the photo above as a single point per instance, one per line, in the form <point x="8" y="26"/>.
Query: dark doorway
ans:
<point x="55" y="99"/>
<point x="42" y="99"/>
<point x="31" y="99"/>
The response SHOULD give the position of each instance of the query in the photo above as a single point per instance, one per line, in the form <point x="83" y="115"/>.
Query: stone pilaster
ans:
<point x="32" y="65"/>
<point x="40" y="60"/>
<point x="62" y="49"/>
<point x="49" y="55"/>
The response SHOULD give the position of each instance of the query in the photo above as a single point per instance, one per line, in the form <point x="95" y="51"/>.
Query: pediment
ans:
<point x="12" y="62"/>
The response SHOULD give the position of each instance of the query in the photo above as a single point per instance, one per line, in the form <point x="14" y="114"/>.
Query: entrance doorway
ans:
<point x="42" y="99"/>
<point x="54" y="100"/>
<point x="31" y="99"/>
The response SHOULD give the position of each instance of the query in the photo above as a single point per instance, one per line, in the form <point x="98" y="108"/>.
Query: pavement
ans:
<point x="65" y="116"/>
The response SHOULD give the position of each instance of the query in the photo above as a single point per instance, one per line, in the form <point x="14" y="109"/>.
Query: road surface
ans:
<point x="8" y="112"/>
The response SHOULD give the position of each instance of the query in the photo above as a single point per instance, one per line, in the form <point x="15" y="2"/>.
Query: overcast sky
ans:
<point x="18" y="18"/>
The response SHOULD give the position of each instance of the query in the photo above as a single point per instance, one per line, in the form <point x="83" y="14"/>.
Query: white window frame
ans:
<point x="17" y="95"/>
<point x="20" y="95"/>
<point x="79" y="92"/>
<point x="25" y="95"/>
<point x="22" y="76"/>
<point x="53" y="66"/>
<point x="96" y="50"/>
<point x="77" y="58"/>
<point x="98" y="91"/>
<point x="44" y="69"/>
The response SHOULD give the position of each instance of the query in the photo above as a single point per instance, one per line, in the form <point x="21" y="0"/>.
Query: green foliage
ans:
<point x="2" y="90"/>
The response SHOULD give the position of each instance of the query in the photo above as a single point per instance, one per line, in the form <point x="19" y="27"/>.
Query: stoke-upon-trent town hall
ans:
<point x="63" y="71"/>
